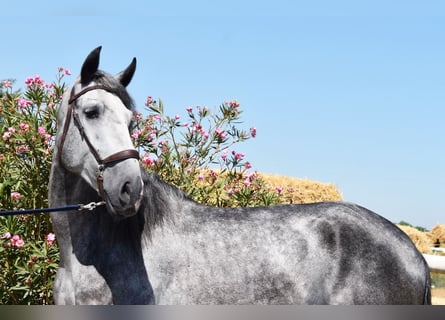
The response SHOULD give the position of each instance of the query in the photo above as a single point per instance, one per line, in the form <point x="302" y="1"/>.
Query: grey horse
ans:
<point x="152" y="244"/>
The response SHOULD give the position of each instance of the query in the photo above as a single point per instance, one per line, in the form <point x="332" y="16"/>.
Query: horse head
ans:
<point x="95" y="142"/>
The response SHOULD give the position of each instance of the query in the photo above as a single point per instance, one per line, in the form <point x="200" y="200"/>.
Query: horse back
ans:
<point x="326" y="253"/>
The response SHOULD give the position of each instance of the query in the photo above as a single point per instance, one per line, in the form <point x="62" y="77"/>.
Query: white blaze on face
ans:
<point x="106" y="121"/>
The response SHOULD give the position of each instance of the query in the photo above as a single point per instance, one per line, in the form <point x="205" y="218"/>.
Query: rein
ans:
<point x="80" y="207"/>
<point x="102" y="163"/>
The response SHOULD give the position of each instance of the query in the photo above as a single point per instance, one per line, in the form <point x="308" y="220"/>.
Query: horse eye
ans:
<point x="92" y="113"/>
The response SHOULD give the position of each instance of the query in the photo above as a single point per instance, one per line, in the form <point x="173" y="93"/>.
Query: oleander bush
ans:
<point x="28" y="253"/>
<point x="196" y="153"/>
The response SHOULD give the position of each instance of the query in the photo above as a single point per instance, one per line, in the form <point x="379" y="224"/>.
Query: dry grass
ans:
<point x="422" y="240"/>
<point x="438" y="232"/>
<point x="425" y="240"/>
<point x="438" y="296"/>
<point x="302" y="190"/>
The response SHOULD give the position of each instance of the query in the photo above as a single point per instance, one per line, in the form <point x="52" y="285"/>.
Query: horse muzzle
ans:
<point x="123" y="188"/>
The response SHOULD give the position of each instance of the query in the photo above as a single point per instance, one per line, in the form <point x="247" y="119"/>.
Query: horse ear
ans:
<point x="90" y="66"/>
<point x="124" y="77"/>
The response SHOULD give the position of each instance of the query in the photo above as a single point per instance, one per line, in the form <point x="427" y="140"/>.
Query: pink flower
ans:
<point x="7" y="84"/>
<point x="247" y="182"/>
<point x="238" y="156"/>
<point x="137" y="116"/>
<point x="253" y="132"/>
<point x="47" y="138"/>
<point x="22" y="149"/>
<point x="11" y="129"/>
<point x="20" y="243"/>
<point x="23" y="103"/>
<point x="233" y="104"/>
<point x="136" y="133"/>
<point x="220" y="133"/>
<point x="37" y="81"/>
<point x="41" y="130"/>
<point x="24" y="127"/>
<point x="250" y="175"/>
<point x="213" y="173"/>
<point x="50" y="238"/>
<point x="247" y="165"/>
<point x="149" y="101"/>
<point x="200" y="177"/>
<point x="7" y="235"/>
<point x="278" y="189"/>
<point x="7" y="135"/>
<point x="15" y="196"/>
<point x="196" y="127"/>
<point x="17" y="241"/>
<point x="224" y="154"/>
<point x="189" y="109"/>
<point x="67" y="72"/>
<point x="203" y="112"/>
<point x="147" y="160"/>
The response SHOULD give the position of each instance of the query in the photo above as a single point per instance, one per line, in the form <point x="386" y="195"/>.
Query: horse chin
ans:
<point x="120" y="213"/>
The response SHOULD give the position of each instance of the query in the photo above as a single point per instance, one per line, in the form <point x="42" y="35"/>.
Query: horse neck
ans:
<point x="98" y="225"/>
<point x="68" y="188"/>
<point x="163" y="203"/>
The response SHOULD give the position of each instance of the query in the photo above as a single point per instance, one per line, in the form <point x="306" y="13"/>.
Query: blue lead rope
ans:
<point x="79" y="207"/>
<point x="37" y="211"/>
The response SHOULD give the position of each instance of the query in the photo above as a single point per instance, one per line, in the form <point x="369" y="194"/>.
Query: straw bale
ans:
<point x="298" y="190"/>
<point x="422" y="240"/>
<point x="438" y="232"/>
<point x="438" y="296"/>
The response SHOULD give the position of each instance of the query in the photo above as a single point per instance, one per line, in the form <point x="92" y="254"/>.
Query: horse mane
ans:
<point x="160" y="200"/>
<point x="114" y="86"/>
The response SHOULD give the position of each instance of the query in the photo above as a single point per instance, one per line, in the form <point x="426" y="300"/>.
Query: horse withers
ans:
<point x="152" y="244"/>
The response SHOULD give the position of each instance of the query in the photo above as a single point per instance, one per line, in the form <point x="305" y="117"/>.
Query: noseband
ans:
<point x="102" y="163"/>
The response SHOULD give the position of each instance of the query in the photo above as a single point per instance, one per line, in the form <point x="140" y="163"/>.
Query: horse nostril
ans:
<point x="130" y="194"/>
<point x="125" y="195"/>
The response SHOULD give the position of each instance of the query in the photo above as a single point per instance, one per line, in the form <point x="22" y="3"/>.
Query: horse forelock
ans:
<point x="113" y="86"/>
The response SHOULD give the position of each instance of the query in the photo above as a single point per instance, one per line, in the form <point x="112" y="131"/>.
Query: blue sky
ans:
<point x="347" y="92"/>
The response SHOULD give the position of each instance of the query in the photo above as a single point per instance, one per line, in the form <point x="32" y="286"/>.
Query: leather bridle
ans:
<point x="102" y="163"/>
